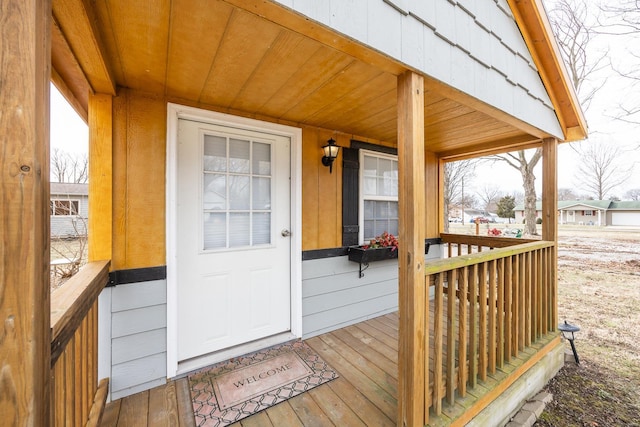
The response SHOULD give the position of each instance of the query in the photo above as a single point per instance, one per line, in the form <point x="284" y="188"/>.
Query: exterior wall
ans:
<point x="334" y="297"/>
<point x="139" y="183"/>
<point x="136" y="357"/>
<point x="139" y="146"/>
<point x="473" y="46"/>
<point x="631" y="218"/>
<point x="62" y="225"/>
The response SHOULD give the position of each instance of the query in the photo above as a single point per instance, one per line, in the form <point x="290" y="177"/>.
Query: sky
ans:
<point x="70" y="133"/>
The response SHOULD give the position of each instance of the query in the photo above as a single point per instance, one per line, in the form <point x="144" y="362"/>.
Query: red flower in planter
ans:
<point x="385" y="240"/>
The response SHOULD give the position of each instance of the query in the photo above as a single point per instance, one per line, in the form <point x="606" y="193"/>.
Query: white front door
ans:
<point x="233" y="246"/>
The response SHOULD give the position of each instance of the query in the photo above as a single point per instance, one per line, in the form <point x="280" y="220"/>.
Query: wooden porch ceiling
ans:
<point x="217" y="55"/>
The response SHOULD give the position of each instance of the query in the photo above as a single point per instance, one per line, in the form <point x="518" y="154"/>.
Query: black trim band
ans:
<point x="361" y="145"/>
<point x="135" y="275"/>
<point x="343" y="250"/>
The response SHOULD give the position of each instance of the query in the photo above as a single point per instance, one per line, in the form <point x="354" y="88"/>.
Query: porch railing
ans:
<point x="77" y="399"/>
<point x="462" y="244"/>
<point x="488" y="306"/>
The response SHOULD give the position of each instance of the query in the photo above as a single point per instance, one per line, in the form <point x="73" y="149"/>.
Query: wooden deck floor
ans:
<point x="365" y="356"/>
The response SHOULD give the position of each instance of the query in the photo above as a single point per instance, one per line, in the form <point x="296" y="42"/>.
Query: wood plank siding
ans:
<point x="365" y="356"/>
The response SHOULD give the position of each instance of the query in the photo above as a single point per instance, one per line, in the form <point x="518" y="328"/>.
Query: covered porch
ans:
<point x="496" y="318"/>
<point x="475" y="322"/>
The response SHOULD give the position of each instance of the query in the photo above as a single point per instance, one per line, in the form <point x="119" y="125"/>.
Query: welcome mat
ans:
<point x="230" y="391"/>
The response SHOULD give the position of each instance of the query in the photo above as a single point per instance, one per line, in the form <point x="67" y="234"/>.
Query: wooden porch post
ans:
<point x="412" y="300"/>
<point x="550" y="216"/>
<point x="25" y="337"/>
<point x="100" y="176"/>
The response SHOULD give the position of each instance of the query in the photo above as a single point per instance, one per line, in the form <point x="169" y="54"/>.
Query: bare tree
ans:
<point x="574" y="28"/>
<point x="567" y="194"/>
<point x="601" y="169"/>
<point x="489" y="196"/>
<point x="67" y="167"/>
<point x="622" y="18"/>
<point x="633" y="194"/>
<point x="519" y="161"/>
<point x="455" y="175"/>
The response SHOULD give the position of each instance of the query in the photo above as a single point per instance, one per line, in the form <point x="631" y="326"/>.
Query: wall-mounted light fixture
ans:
<point x="330" y="152"/>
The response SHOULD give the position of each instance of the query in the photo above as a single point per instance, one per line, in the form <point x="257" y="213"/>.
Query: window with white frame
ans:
<point x="378" y="194"/>
<point x="63" y="207"/>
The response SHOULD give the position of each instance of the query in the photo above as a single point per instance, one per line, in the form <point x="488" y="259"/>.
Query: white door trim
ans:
<point x="176" y="112"/>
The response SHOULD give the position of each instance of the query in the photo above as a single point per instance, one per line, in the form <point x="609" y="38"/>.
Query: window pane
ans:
<point x="238" y="229"/>
<point x="215" y="230"/>
<point x="261" y="228"/>
<point x="380" y="227"/>
<point x="238" y="156"/>
<point x="380" y="216"/>
<point x="239" y="192"/>
<point x="215" y="191"/>
<point x="369" y="232"/>
<point x="393" y="227"/>
<point x="370" y="166"/>
<point x="215" y="153"/>
<point x="261" y="159"/>
<point x="369" y="208"/>
<point x="261" y="193"/>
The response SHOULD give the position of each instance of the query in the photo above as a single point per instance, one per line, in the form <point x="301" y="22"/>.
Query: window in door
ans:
<point x="236" y="193"/>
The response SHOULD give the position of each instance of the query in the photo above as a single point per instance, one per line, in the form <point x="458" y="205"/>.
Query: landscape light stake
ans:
<point x="568" y="331"/>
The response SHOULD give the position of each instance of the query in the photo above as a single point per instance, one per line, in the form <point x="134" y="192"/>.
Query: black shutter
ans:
<point x="350" y="196"/>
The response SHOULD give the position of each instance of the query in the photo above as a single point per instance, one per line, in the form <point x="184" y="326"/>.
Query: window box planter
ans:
<point x="365" y="256"/>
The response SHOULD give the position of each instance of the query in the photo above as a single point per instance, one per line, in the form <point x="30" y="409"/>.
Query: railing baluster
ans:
<point x="493" y="301"/>
<point x="474" y="307"/>
<point x="483" y="307"/>
<point x="452" y="280"/>
<point x="463" y="278"/>
<point x="523" y="301"/>
<point x="437" y="345"/>
<point x="515" y="304"/>
<point x="508" y="301"/>
<point x="501" y="315"/>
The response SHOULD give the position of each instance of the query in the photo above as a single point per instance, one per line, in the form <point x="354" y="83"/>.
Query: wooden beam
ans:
<point x="100" y="177"/>
<point x="521" y="142"/>
<point x="550" y="217"/>
<point x="24" y="216"/>
<point x="78" y="25"/>
<point x="413" y="353"/>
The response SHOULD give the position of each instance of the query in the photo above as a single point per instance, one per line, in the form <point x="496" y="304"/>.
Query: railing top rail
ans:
<point x="438" y="266"/>
<point x="491" y="241"/>
<point x="71" y="302"/>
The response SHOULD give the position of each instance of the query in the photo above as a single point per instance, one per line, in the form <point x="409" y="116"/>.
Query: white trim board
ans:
<point x="176" y="112"/>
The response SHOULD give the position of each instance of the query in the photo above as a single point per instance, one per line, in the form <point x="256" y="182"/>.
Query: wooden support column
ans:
<point x="25" y="337"/>
<point x="434" y="210"/>
<point x="550" y="218"/>
<point x="412" y="301"/>
<point x="100" y="177"/>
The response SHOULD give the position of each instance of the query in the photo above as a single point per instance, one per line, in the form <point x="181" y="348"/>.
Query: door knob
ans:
<point x="285" y="233"/>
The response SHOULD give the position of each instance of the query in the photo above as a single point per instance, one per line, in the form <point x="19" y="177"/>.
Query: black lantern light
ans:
<point x="330" y="152"/>
<point x="568" y="330"/>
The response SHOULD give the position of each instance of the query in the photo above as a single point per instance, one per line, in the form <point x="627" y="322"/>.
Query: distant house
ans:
<point x="591" y="212"/>
<point x="69" y="209"/>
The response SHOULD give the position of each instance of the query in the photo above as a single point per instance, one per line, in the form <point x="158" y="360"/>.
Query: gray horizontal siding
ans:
<point x="474" y="46"/>
<point x="333" y="296"/>
<point x="138" y="337"/>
